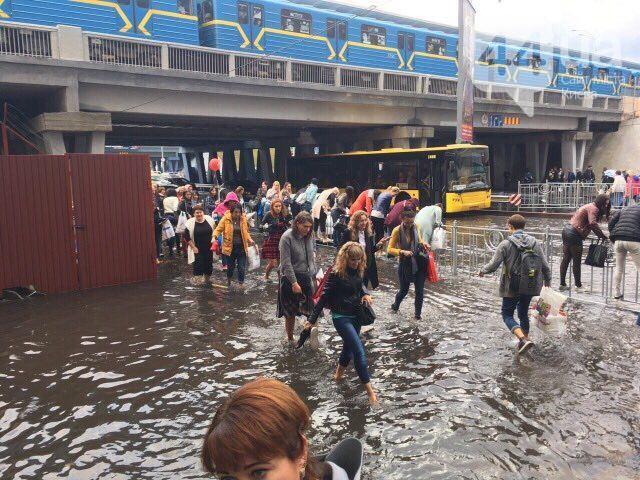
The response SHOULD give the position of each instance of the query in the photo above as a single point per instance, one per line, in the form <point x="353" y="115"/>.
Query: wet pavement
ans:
<point x="121" y="383"/>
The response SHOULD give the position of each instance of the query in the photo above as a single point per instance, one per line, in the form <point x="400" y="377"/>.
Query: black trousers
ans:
<point x="571" y="251"/>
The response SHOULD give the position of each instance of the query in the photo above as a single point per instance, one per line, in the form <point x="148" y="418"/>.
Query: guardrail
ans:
<point x="469" y="248"/>
<point x="114" y="50"/>
<point x="548" y="196"/>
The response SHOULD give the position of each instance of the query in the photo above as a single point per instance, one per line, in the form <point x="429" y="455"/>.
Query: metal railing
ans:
<point x="28" y="40"/>
<point x="470" y="248"/>
<point x="551" y="196"/>
<point x="124" y="52"/>
<point x="24" y="41"/>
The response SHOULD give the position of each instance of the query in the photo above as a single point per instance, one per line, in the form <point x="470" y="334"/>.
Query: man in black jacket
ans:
<point x="624" y="230"/>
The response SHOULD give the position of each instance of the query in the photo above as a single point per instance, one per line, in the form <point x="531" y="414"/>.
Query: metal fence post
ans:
<point x="454" y="248"/>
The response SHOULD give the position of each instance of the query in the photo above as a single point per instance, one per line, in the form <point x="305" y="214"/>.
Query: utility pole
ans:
<point x="466" y="54"/>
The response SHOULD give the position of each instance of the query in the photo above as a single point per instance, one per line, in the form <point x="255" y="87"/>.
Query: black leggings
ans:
<point x="320" y="222"/>
<point x="571" y="250"/>
<point x="378" y="227"/>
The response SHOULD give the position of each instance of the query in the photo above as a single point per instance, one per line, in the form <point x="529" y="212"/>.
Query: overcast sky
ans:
<point x="607" y="27"/>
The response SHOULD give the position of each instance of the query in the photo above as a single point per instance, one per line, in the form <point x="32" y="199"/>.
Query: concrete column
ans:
<point x="581" y="148"/>
<point x="201" y="167"/>
<point x="418" y="142"/>
<point x="229" y="170"/>
<point x="264" y="166"/>
<point x="54" y="143"/>
<point x="543" y="151"/>
<point x="532" y="157"/>
<point x="569" y="154"/>
<point x="96" y="142"/>
<point x="499" y="164"/>
<point x="282" y="155"/>
<point x="400" y="143"/>
<point x="70" y="43"/>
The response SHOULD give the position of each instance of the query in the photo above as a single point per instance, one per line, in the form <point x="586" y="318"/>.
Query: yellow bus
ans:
<point x="455" y="175"/>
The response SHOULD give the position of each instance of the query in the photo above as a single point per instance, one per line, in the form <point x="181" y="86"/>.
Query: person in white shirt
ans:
<point x="618" y="188"/>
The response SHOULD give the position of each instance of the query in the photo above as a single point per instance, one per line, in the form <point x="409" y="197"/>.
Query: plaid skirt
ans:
<point x="271" y="247"/>
<point x="292" y="304"/>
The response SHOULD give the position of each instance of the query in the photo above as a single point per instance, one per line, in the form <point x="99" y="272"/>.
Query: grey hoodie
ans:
<point x="507" y="254"/>
<point x="297" y="255"/>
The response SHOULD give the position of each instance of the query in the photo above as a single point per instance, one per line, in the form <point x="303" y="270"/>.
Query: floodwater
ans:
<point x="121" y="383"/>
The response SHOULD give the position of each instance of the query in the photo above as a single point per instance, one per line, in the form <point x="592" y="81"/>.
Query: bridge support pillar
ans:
<point x="88" y="130"/>
<point x="542" y="164"/>
<point x="574" y="146"/>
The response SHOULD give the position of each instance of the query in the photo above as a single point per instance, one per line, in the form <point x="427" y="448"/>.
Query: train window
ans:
<point x="257" y="15"/>
<point x="535" y="61"/>
<point x="632" y="80"/>
<point x="603" y="73"/>
<point x="331" y="29"/>
<point x="372" y="35"/>
<point x="516" y="59"/>
<point x="124" y="2"/>
<point x="243" y="13"/>
<point x="342" y="31"/>
<point x="401" y="41"/>
<point x="572" y="68"/>
<point x="207" y="10"/>
<point x="185" y="7"/>
<point x="142" y="3"/>
<point x="587" y="72"/>
<point x="436" y="46"/>
<point x="488" y="56"/>
<point x="296" y="22"/>
<point x="410" y="43"/>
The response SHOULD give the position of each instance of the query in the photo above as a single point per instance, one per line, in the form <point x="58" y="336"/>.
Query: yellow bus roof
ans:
<point x="393" y="151"/>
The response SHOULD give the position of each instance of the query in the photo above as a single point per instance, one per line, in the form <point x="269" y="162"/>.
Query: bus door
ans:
<point x="406" y="45"/>
<point x="251" y="19"/>
<point x="135" y="11"/>
<point x="432" y="180"/>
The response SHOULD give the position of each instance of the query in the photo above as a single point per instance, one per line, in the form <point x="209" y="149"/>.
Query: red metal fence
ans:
<point x="77" y="221"/>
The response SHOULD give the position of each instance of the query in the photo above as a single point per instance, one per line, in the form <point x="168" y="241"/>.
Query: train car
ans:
<point x="601" y="78"/>
<point x="436" y="54"/>
<point x="163" y="20"/>
<point x="631" y="88"/>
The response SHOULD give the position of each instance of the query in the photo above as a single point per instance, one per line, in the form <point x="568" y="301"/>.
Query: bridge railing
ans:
<point x="29" y="40"/>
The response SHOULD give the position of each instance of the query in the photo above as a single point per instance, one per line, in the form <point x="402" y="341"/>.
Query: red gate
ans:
<point x="75" y="221"/>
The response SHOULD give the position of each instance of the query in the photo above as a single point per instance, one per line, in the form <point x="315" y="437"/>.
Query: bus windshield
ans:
<point x="467" y="169"/>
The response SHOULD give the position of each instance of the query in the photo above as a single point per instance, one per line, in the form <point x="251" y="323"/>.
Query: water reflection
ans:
<point x="121" y="383"/>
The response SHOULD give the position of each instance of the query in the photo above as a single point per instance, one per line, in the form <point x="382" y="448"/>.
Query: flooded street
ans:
<point x="121" y="383"/>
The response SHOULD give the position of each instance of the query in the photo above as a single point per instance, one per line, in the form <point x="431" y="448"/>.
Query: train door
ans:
<point x="337" y="34"/>
<point x="406" y="45"/>
<point x="251" y="19"/>
<point x="135" y="11"/>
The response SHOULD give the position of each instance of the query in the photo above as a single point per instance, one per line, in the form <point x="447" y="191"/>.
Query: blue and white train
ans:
<point x="323" y="31"/>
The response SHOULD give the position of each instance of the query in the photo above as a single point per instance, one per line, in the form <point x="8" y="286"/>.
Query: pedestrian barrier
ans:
<point x="543" y="197"/>
<point x="469" y="248"/>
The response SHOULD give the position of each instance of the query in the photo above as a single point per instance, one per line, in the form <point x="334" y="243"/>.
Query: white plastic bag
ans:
<point x="253" y="258"/>
<point x="182" y="223"/>
<point x="167" y="230"/>
<point x="329" y="225"/>
<point x="439" y="239"/>
<point x="550" y="302"/>
<point x="555" y="325"/>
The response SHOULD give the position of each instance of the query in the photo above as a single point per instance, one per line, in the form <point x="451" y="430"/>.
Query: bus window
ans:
<point x="296" y="21"/>
<point x="467" y="169"/>
<point x="436" y="46"/>
<point x="243" y="13"/>
<point x="402" y="173"/>
<point x="372" y="35"/>
<point x="207" y="11"/>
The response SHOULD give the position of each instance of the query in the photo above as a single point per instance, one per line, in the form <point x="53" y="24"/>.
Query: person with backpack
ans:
<point x="524" y="271"/>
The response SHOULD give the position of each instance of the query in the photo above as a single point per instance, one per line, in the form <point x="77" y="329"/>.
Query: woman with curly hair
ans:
<point x="360" y="230"/>
<point x="276" y="222"/>
<point x="343" y="294"/>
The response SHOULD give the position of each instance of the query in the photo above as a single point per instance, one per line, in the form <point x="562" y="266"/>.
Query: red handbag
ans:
<point x="432" y="271"/>
<point x="318" y="292"/>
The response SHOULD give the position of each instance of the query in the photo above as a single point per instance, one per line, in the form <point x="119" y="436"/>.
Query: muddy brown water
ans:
<point x="120" y="383"/>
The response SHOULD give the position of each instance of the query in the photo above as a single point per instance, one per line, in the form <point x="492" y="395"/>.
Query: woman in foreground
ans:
<point x="259" y="433"/>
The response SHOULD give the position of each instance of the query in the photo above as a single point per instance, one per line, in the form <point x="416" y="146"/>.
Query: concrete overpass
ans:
<point x="84" y="90"/>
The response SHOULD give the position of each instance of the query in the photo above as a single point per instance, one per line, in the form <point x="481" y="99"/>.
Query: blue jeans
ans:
<point x="617" y="199"/>
<point x="239" y="259"/>
<point x="349" y="330"/>
<point x="521" y="303"/>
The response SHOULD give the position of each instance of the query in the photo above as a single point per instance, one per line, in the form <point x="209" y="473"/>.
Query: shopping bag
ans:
<point x="181" y="226"/>
<point x="432" y="271"/>
<point x="439" y="239"/>
<point x="253" y="258"/>
<point x="329" y="225"/>
<point x="550" y="302"/>
<point x="167" y="230"/>
<point x="597" y="255"/>
<point x="321" y="284"/>
<point x="553" y="325"/>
